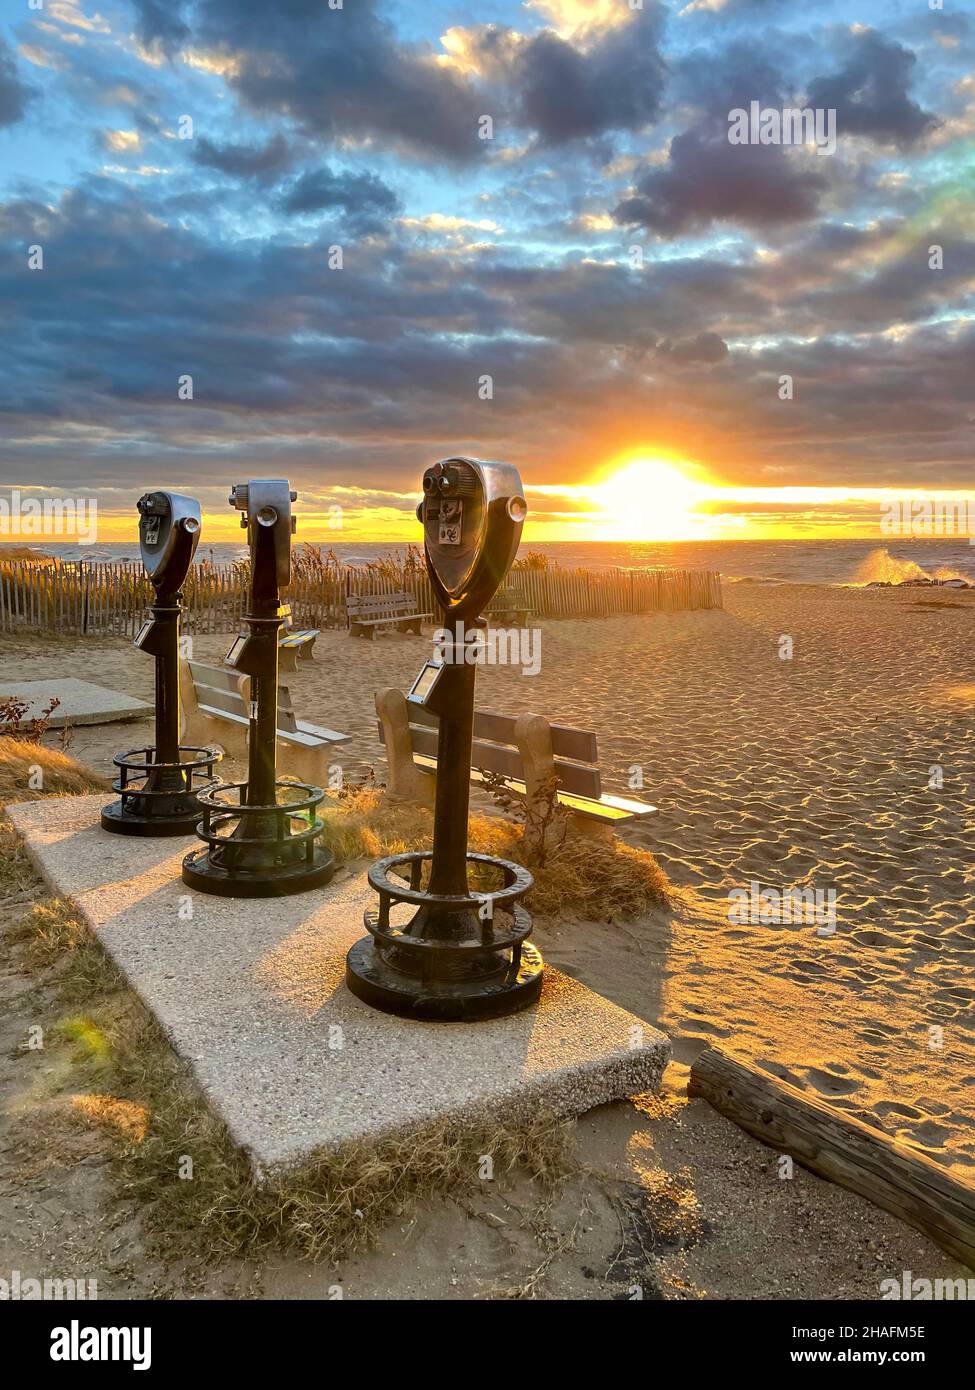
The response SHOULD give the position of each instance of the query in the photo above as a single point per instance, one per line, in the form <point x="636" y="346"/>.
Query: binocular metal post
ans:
<point x="262" y="835"/>
<point x="463" y="954"/>
<point x="159" y="786"/>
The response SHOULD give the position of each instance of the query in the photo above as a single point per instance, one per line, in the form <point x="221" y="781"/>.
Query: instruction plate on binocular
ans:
<point x="451" y="520"/>
<point x="233" y="656"/>
<point x="143" y="633"/>
<point x="422" y="688"/>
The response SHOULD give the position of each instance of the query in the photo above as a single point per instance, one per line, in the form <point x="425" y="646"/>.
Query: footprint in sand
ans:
<point x="827" y="1083"/>
<point x="880" y="1031"/>
<point x="929" y="1135"/>
<point x="872" y="937"/>
<point x="694" y="1026"/>
<point x="929" y="1106"/>
<point x="813" y="967"/>
<point x="896" y="1107"/>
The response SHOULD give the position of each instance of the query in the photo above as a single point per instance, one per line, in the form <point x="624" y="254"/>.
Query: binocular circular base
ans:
<point x="121" y="819"/>
<point x="259" y="851"/>
<point x="160" y="798"/>
<point x="461" y="956"/>
<point x="201" y="870"/>
<point x="375" y="982"/>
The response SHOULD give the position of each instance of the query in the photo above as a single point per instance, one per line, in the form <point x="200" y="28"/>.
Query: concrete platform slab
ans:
<point x="252" y="993"/>
<point x="81" y="702"/>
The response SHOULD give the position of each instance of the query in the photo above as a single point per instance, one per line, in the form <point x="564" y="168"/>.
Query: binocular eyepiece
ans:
<point x="448" y="479"/>
<point x="441" y="481"/>
<point x="266" y="515"/>
<point x="161" y="504"/>
<point x="152" y="504"/>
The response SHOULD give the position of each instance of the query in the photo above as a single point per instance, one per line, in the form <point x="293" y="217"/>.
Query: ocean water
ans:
<point x="769" y="562"/>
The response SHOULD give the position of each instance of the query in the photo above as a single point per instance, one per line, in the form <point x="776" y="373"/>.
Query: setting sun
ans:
<point x="650" y="498"/>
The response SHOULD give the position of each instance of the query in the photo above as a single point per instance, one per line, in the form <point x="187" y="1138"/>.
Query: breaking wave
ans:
<point x="880" y="567"/>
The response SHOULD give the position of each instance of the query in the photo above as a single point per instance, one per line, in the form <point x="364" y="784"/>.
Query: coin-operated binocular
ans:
<point x="262" y="836"/>
<point x="463" y="954"/>
<point x="159" y="786"/>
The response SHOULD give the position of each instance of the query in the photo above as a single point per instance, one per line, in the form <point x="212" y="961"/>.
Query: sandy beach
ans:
<point x="813" y="771"/>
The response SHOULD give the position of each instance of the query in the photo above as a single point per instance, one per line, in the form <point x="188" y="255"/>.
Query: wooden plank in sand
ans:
<point x="840" y="1147"/>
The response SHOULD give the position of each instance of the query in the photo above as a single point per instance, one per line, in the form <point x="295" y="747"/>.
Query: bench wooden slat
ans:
<point x="396" y="618"/>
<point x="497" y="757"/>
<point x="320" y="733"/>
<point x="307" y="739"/>
<point x="228" y="715"/>
<point x="627" y="805"/>
<point x="400" y="615"/>
<point x="509" y="601"/>
<point x="577" y="744"/>
<point x="602" y="810"/>
<point x="222" y="700"/>
<point x="214" y="677"/>
<point x="369" y="603"/>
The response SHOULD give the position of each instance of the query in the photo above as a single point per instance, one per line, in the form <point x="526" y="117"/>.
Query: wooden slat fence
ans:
<point x="112" y="597"/>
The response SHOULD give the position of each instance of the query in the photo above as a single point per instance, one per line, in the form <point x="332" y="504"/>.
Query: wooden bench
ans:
<point x="367" y="612"/>
<point x="525" y="749"/>
<point x="509" y="608"/>
<point x="293" y="645"/>
<point x="215" y="708"/>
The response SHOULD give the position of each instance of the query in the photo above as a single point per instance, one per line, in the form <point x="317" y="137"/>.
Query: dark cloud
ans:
<point x="14" y="94"/>
<point x="265" y="163"/>
<point x="336" y="72"/>
<point x="360" y="195"/>
<point x="703" y="347"/>
<point x="870" y="92"/>
<point x="717" y="80"/>
<point x="561" y="91"/>
<point x="706" y="179"/>
<point x="160" y="24"/>
<point x="564" y="93"/>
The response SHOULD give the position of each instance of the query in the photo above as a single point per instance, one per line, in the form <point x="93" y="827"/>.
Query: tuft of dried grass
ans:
<point x="362" y="825"/>
<point x="17" y="878"/>
<point x="48" y="930"/>
<point x="599" y="879"/>
<point x="31" y="770"/>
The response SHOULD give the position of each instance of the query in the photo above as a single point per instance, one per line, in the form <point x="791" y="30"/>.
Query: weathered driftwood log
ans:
<point x="842" y="1148"/>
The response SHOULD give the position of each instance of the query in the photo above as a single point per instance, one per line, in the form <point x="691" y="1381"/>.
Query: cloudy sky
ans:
<point x="634" y="285"/>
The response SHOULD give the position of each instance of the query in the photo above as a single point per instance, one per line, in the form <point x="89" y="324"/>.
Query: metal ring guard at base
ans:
<point x="275" y="861"/>
<point x="460" y="957"/>
<point x="163" y="798"/>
